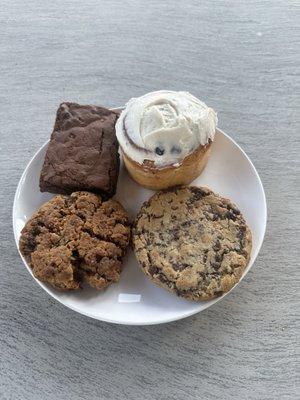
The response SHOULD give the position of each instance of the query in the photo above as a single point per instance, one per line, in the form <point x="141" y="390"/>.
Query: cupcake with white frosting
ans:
<point x="165" y="138"/>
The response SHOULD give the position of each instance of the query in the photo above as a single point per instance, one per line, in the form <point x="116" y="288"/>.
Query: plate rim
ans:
<point x="143" y="323"/>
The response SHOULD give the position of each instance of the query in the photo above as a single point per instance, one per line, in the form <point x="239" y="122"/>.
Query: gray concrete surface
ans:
<point x="242" y="57"/>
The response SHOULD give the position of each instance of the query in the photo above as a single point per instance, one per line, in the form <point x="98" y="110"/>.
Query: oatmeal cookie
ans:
<point x="192" y="242"/>
<point x="76" y="238"/>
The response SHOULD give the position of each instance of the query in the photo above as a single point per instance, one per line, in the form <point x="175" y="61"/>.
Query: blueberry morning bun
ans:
<point x="165" y="138"/>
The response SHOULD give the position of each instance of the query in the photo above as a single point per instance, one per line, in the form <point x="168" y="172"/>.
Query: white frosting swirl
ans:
<point x="164" y="127"/>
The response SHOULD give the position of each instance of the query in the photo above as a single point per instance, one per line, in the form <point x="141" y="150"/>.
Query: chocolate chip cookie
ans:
<point x="77" y="238"/>
<point x="192" y="242"/>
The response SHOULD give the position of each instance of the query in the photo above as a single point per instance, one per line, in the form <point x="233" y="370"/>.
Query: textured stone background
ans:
<point x="242" y="57"/>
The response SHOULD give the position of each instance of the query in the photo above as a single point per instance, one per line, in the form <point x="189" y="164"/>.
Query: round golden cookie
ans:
<point x="77" y="238"/>
<point x="192" y="242"/>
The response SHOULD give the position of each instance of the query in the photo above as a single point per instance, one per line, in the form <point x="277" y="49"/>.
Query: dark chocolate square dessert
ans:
<point x="83" y="151"/>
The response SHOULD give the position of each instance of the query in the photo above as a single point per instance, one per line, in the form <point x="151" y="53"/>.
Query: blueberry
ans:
<point x="175" y="150"/>
<point x="159" y="151"/>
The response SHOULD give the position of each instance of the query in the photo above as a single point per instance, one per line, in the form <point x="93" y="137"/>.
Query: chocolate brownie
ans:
<point x="71" y="239"/>
<point x="83" y="151"/>
<point x="192" y="242"/>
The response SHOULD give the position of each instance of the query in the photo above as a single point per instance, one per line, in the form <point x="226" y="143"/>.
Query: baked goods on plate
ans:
<point x="74" y="239"/>
<point x="83" y="151"/>
<point x="165" y="138"/>
<point x="61" y="246"/>
<point x="192" y="242"/>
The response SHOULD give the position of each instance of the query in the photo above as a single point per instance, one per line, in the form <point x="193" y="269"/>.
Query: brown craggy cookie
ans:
<point x="76" y="238"/>
<point x="192" y="242"/>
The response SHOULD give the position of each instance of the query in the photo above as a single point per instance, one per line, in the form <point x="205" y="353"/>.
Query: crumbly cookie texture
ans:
<point x="76" y="238"/>
<point x="192" y="242"/>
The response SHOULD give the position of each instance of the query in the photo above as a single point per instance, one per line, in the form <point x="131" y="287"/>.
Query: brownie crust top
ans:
<point x="83" y="151"/>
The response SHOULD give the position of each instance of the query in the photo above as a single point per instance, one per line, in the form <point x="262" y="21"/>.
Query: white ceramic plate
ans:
<point x="135" y="300"/>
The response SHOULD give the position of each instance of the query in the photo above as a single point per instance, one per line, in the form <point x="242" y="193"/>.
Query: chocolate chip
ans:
<point x="215" y="265"/>
<point x="217" y="245"/>
<point x="215" y="217"/>
<point x="176" y="235"/>
<point x="66" y="115"/>
<point x="35" y="231"/>
<point x="163" y="279"/>
<point x="180" y="267"/>
<point x="219" y="293"/>
<point x="211" y="216"/>
<point x="81" y="215"/>
<point x="231" y="215"/>
<point x="233" y="209"/>
<point x="218" y="258"/>
<point x="75" y="253"/>
<point x="31" y="243"/>
<point x="153" y="270"/>
<point x="198" y="193"/>
<point x="159" y="151"/>
<point x="186" y="224"/>
<point x="240" y="234"/>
